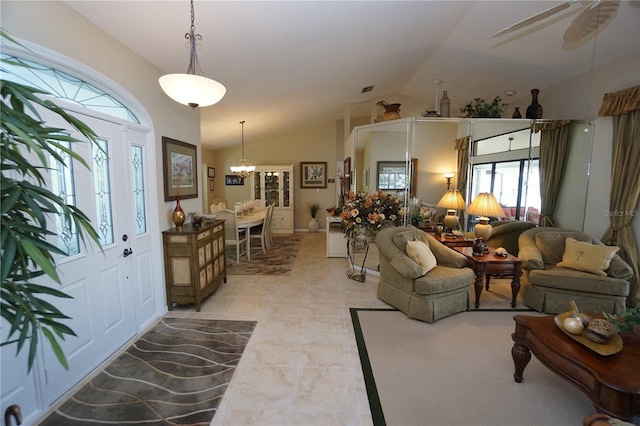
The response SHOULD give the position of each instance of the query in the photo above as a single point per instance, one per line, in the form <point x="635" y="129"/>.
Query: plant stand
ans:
<point x="357" y="248"/>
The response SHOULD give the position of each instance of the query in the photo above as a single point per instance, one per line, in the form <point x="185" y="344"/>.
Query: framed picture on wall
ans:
<point x="233" y="180"/>
<point x="211" y="172"/>
<point x="180" y="169"/>
<point x="211" y="185"/>
<point x="347" y="171"/>
<point x="313" y="174"/>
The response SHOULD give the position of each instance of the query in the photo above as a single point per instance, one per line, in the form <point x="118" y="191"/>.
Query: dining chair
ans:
<point x="268" y="221"/>
<point x="261" y="232"/>
<point x="218" y="204"/>
<point x="233" y="236"/>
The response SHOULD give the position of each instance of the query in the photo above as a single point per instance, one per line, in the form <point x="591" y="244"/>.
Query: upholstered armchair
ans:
<point x="505" y="233"/>
<point x="430" y="296"/>
<point x="559" y="267"/>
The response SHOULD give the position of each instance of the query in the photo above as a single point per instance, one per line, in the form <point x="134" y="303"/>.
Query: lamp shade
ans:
<point x="485" y="204"/>
<point x="192" y="90"/>
<point x="452" y="199"/>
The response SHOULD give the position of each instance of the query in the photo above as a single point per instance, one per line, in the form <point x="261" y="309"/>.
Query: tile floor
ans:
<point x="301" y="366"/>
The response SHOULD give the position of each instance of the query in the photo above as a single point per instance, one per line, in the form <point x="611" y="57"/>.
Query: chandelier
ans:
<point x="191" y="89"/>
<point x="242" y="170"/>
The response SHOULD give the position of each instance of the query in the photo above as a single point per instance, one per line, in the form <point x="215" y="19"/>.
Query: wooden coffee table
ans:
<point x="611" y="382"/>
<point x="490" y="265"/>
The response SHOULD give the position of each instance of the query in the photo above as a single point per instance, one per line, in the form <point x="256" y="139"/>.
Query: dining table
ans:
<point x="250" y="219"/>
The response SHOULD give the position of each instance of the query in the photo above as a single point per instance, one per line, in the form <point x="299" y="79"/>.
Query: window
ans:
<point x="507" y="167"/>
<point x="64" y="86"/>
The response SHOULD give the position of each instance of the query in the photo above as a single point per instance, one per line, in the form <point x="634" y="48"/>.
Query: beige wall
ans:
<point x="317" y="143"/>
<point x="55" y="26"/>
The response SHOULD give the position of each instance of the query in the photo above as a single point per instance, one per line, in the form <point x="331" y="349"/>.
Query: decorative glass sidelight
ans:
<point x="137" y="174"/>
<point x="102" y="187"/>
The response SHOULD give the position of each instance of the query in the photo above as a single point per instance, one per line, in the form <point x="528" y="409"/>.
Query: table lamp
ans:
<point x="452" y="201"/>
<point x="485" y="205"/>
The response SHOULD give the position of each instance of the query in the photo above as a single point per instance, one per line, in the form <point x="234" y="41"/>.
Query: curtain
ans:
<point x="462" y="146"/>
<point x="554" y="152"/>
<point x="624" y="106"/>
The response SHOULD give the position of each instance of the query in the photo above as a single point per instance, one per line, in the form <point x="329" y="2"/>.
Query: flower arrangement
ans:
<point x="367" y="213"/>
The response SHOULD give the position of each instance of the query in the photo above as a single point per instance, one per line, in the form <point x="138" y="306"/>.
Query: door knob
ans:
<point x="127" y="252"/>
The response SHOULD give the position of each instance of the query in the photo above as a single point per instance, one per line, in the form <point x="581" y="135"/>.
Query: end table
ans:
<point x="489" y="265"/>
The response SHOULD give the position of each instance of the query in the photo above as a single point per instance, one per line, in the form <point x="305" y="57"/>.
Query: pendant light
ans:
<point x="191" y="89"/>
<point x="242" y="170"/>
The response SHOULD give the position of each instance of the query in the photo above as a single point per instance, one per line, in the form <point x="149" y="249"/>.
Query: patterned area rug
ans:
<point x="278" y="260"/>
<point x="176" y="374"/>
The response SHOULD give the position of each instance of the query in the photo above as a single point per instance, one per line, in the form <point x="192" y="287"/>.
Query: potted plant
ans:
<point x="479" y="108"/>
<point x="626" y="321"/>
<point x="314" y="225"/>
<point x="27" y="203"/>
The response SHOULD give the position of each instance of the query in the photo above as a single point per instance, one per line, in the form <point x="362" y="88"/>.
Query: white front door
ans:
<point x="114" y="289"/>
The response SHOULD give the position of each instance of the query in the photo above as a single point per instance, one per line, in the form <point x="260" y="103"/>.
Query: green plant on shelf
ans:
<point x="479" y="108"/>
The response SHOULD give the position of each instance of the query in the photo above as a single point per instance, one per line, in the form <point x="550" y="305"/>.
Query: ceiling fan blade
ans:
<point x="535" y="18"/>
<point x="597" y="14"/>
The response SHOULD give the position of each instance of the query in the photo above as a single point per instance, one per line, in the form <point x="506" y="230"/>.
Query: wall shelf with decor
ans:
<point x="273" y="184"/>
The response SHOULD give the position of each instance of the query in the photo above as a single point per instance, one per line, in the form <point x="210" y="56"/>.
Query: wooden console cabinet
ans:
<point x="194" y="262"/>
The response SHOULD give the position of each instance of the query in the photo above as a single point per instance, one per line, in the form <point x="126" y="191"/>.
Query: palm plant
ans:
<point x="25" y="206"/>
<point x="313" y="209"/>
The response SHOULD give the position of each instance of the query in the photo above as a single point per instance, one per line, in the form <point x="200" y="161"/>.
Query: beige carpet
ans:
<point x="458" y="371"/>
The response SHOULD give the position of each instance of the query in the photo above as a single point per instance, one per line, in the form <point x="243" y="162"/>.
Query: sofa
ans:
<point x="505" y="234"/>
<point x="550" y="278"/>
<point x="442" y="291"/>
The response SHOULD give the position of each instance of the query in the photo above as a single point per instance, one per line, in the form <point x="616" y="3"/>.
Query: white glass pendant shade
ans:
<point x="192" y="90"/>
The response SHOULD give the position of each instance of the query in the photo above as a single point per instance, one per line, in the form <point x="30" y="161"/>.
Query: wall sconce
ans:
<point x="449" y="176"/>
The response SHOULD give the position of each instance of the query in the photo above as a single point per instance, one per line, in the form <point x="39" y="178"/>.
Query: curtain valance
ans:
<point x="538" y="126"/>
<point x="620" y="102"/>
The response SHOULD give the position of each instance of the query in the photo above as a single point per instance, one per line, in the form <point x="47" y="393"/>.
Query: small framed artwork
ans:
<point x="211" y="172"/>
<point x="313" y="175"/>
<point x="180" y="169"/>
<point x="233" y="180"/>
<point x="211" y="185"/>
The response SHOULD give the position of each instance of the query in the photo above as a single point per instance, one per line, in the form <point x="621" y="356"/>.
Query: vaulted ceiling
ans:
<point x="290" y="64"/>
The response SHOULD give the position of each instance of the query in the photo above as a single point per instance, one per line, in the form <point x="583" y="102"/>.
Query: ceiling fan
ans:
<point x="595" y="15"/>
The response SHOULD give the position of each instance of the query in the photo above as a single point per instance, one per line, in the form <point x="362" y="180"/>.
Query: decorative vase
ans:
<point x="178" y="216"/>
<point x="314" y="225"/>
<point x="516" y="113"/>
<point x="535" y="109"/>
<point x="391" y="111"/>
<point x="445" y="105"/>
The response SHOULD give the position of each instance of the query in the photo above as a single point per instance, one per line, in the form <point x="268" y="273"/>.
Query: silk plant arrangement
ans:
<point x="26" y="206"/>
<point x="479" y="108"/>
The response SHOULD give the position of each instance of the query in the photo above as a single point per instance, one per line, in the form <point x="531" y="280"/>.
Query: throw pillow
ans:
<point x="400" y="239"/>
<point x="421" y="254"/>
<point x="552" y="244"/>
<point x="587" y="257"/>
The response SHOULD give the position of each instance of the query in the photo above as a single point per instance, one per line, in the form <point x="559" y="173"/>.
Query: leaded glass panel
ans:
<point x="62" y="85"/>
<point x="62" y="184"/>
<point x="137" y="173"/>
<point x="102" y="187"/>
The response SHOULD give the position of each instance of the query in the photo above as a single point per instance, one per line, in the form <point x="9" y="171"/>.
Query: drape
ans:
<point x="624" y="106"/>
<point x="462" y="146"/>
<point x="554" y="152"/>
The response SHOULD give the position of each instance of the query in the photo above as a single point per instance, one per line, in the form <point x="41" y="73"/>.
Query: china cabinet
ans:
<point x="273" y="184"/>
<point x="194" y="262"/>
